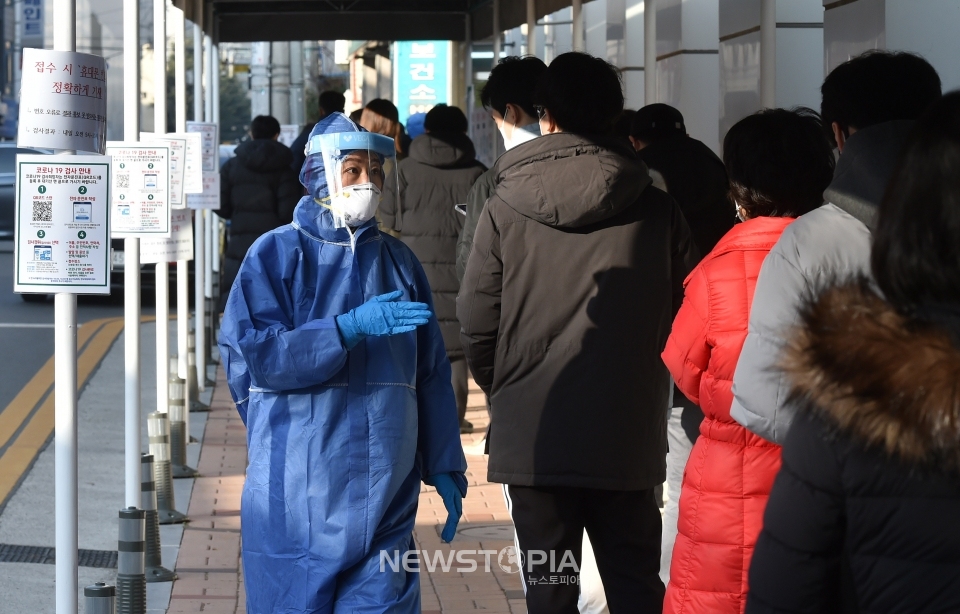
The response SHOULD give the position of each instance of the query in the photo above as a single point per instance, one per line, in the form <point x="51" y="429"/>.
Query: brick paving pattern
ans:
<point x="210" y="574"/>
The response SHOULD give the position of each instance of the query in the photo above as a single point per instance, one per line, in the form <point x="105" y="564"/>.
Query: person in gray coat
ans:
<point x="436" y="176"/>
<point x="869" y="103"/>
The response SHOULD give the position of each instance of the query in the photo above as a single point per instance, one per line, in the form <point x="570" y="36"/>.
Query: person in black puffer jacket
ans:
<point x="258" y="192"/>
<point x="863" y="514"/>
<point x="438" y="174"/>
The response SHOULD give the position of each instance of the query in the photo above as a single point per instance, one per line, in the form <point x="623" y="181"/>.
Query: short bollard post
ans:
<point x="193" y="391"/>
<point x="178" y="430"/>
<point x="131" y="582"/>
<point x="155" y="571"/>
<point x="208" y="323"/>
<point x="100" y="598"/>
<point x="158" y="430"/>
<point x="175" y="369"/>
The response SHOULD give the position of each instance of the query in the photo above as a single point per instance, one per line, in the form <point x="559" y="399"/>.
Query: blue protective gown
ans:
<point x="338" y="440"/>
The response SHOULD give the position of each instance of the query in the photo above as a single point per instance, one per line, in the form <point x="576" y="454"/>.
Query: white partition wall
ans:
<point x="927" y="27"/>
<point x="687" y="67"/>
<point x="798" y="57"/>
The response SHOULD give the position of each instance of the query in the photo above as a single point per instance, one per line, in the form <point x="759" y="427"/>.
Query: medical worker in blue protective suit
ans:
<point x="338" y="369"/>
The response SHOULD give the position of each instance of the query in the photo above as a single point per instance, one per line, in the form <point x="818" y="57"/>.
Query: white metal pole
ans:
<point x="201" y="94"/>
<point x="497" y="34"/>
<point x="131" y="265"/>
<point x="65" y="391"/>
<point x="199" y="270"/>
<point x="768" y="54"/>
<point x="207" y="79"/>
<point x="649" y="52"/>
<point x="216" y="83"/>
<point x="180" y="81"/>
<point x="65" y="446"/>
<point x="531" y="27"/>
<point x="197" y="73"/>
<point x="178" y="25"/>
<point x="162" y="269"/>
<point x="577" y="7"/>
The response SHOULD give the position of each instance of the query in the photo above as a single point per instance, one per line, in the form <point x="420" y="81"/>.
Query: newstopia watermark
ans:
<point x="468" y="561"/>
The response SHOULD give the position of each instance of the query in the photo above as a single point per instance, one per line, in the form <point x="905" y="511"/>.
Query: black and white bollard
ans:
<point x="178" y="429"/>
<point x="155" y="571"/>
<point x="193" y="390"/>
<point x="100" y="598"/>
<point x="131" y="582"/>
<point x="158" y="431"/>
<point x="213" y="356"/>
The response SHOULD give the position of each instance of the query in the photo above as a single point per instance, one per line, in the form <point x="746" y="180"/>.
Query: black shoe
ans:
<point x="466" y="427"/>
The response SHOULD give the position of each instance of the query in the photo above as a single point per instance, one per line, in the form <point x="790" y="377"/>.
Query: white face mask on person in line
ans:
<point x="514" y="135"/>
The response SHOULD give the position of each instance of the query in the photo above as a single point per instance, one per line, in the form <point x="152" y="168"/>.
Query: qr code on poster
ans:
<point x="42" y="212"/>
<point x="123" y="181"/>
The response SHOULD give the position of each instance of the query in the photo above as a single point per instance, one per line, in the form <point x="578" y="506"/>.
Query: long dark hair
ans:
<point x="916" y="249"/>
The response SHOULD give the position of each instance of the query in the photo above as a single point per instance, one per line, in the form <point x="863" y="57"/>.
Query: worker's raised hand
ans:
<point x="381" y="316"/>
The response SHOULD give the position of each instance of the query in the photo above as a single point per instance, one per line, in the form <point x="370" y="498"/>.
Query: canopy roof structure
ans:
<point x="293" y="20"/>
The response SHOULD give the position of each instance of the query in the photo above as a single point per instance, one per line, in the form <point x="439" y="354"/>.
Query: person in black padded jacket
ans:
<point x="258" y="192"/>
<point x="864" y="513"/>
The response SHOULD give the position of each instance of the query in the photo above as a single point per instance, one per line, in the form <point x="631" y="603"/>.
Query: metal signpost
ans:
<point x="62" y="236"/>
<point x="63" y="246"/>
<point x="131" y="265"/>
<point x="209" y="198"/>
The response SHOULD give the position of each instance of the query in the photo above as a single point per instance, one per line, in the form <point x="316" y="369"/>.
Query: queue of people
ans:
<point x="775" y="335"/>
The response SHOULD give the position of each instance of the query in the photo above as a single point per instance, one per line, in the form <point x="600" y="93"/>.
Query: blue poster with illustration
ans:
<point x="421" y="76"/>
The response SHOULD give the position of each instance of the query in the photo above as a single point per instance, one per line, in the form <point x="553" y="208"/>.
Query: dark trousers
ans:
<point x="624" y="529"/>
<point x="458" y="377"/>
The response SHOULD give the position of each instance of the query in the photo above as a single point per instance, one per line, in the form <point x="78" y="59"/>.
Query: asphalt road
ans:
<point x="26" y="329"/>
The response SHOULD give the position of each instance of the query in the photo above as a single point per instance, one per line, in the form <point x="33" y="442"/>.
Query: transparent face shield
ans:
<point x="359" y="172"/>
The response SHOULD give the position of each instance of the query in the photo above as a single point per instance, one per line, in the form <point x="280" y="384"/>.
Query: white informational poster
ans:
<point x="62" y="225"/>
<point x="178" y="150"/>
<point x="210" y="198"/>
<point x="193" y="164"/>
<point x="140" y="193"/>
<point x="289" y="134"/>
<point x="63" y="101"/>
<point x="178" y="247"/>
<point x="210" y="145"/>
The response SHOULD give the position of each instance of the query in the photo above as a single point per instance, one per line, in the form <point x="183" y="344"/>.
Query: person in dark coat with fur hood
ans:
<point x="258" y="192"/>
<point x="863" y="516"/>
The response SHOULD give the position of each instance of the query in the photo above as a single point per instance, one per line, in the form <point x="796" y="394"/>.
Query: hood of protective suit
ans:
<point x="568" y="181"/>
<point x="865" y="167"/>
<point x="310" y="216"/>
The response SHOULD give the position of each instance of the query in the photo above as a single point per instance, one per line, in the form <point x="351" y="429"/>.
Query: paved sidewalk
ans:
<point x="208" y="565"/>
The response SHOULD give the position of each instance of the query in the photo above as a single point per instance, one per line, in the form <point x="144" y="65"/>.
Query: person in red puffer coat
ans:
<point x="779" y="163"/>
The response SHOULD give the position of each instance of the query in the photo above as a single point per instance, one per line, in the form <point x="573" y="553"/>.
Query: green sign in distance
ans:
<point x="82" y="189"/>
<point x="149" y="196"/>
<point x="42" y="189"/>
<point x="81" y="235"/>
<point x="41" y="234"/>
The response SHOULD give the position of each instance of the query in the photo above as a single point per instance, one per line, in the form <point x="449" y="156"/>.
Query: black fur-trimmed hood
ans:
<point x="887" y="380"/>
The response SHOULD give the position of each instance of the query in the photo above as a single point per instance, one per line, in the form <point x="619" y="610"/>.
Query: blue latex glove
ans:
<point x="452" y="500"/>
<point x="381" y="315"/>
